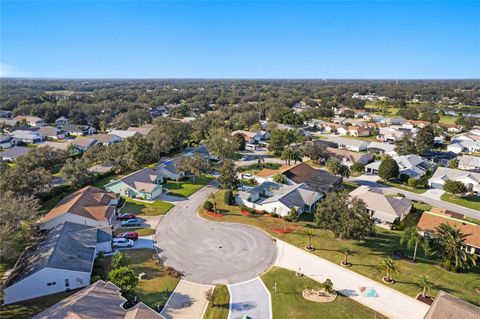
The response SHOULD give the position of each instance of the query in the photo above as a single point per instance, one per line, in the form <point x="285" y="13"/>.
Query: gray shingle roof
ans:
<point x="68" y="246"/>
<point x="14" y="152"/>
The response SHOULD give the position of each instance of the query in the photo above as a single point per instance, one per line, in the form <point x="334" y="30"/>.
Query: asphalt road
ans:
<point x="210" y="252"/>
<point x="418" y="197"/>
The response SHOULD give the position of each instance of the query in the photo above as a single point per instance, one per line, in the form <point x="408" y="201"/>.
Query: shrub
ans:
<point x="412" y="182"/>
<point x="388" y="169"/>
<point x="229" y="198"/>
<point x="404" y="178"/>
<point x="208" y="206"/>
<point x="454" y="187"/>
<point x="358" y="167"/>
<point x="280" y="178"/>
<point x="119" y="260"/>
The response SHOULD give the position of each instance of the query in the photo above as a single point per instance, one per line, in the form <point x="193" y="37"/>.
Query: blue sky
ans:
<point x="200" y="39"/>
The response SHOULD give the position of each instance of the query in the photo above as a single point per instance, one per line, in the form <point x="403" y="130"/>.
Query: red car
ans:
<point x="133" y="235"/>
<point x="126" y="216"/>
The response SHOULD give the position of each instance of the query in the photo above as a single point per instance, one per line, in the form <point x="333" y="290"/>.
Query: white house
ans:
<point x="89" y="206"/>
<point x="461" y="146"/>
<point x="124" y="134"/>
<point x="413" y="165"/>
<point x="469" y="163"/>
<point x="27" y="136"/>
<point x="31" y="120"/>
<point x="382" y="148"/>
<point x="60" y="260"/>
<point x="385" y="210"/>
<point x="350" y="144"/>
<point x="390" y="135"/>
<point x="443" y="174"/>
<point x="61" y="121"/>
<point x="279" y="199"/>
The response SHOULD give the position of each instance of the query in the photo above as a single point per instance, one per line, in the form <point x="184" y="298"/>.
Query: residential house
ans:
<point x="106" y="139"/>
<point x="349" y="158"/>
<point x="440" y="158"/>
<point x="144" y="184"/>
<point x="84" y="143"/>
<point x="144" y="129"/>
<point x="464" y="146"/>
<point x="51" y="132"/>
<point x="316" y="124"/>
<point x="393" y="120"/>
<point x="27" y="136"/>
<point x="61" y="121"/>
<point x="280" y="199"/>
<point x="248" y="136"/>
<point x="124" y="134"/>
<point x="339" y="120"/>
<point x="78" y="130"/>
<point x="61" y="259"/>
<point x="89" y="206"/>
<point x="413" y="165"/>
<point x="13" y="153"/>
<point x="100" y="297"/>
<point x="430" y="220"/>
<point x="168" y="169"/>
<point x="350" y="144"/>
<point x="410" y="124"/>
<point x="7" y="141"/>
<point x="341" y="130"/>
<point x="9" y="121"/>
<point x="473" y="135"/>
<point x="446" y="306"/>
<point x="452" y="128"/>
<point x="384" y="209"/>
<point x="62" y="146"/>
<point x="382" y="148"/>
<point x="443" y="174"/>
<point x="469" y="163"/>
<point x="31" y="120"/>
<point x="390" y="135"/>
<point x="358" y="131"/>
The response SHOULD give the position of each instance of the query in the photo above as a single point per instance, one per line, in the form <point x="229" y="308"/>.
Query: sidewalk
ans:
<point x="389" y="302"/>
<point x="250" y="298"/>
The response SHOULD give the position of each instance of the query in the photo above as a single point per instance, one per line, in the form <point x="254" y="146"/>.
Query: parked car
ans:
<point x="244" y="158"/>
<point x="126" y="216"/>
<point x="133" y="235"/>
<point x="123" y="242"/>
<point x="247" y="176"/>
<point x="131" y="222"/>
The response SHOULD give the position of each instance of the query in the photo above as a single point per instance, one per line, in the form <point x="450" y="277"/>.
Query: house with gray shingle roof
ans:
<point x="279" y="199"/>
<point x="60" y="260"/>
<point x="145" y="184"/>
<point x="11" y="154"/>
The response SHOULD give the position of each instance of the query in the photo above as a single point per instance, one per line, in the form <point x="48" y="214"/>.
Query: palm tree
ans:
<point x="309" y="234"/>
<point x="346" y="251"/>
<point x="448" y="245"/>
<point x="411" y="237"/>
<point x="327" y="286"/>
<point x="425" y="284"/>
<point x="389" y="267"/>
<point x="212" y="198"/>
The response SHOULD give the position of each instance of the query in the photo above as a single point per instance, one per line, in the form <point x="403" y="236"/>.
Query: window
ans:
<point x="51" y="283"/>
<point x="67" y="283"/>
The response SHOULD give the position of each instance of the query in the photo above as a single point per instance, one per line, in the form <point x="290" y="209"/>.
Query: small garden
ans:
<point x="186" y="187"/>
<point x="288" y="298"/>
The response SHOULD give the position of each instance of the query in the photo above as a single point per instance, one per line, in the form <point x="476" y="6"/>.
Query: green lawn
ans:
<point x="418" y="190"/>
<point x="107" y="179"/>
<point x="350" y="186"/>
<point x="219" y="308"/>
<point x="187" y="187"/>
<point x="156" y="286"/>
<point x="146" y="209"/>
<point x="288" y="302"/>
<point x="368" y="253"/>
<point x="28" y="309"/>
<point x="140" y="231"/>
<point x="448" y="119"/>
<point x="472" y="202"/>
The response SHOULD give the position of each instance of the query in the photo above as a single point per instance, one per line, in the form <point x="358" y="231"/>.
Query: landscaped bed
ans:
<point x="368" y="254"/>
<point x="288" y="302"/>
<point x="156" y="285"/>
<point x="187" y="187"/>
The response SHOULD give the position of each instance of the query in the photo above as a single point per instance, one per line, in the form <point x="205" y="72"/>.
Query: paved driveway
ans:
<point x="389" y="302"/>
<point x="187" y="301"/>
<point x="211" y="252"/>
<point x="250" y="298"/>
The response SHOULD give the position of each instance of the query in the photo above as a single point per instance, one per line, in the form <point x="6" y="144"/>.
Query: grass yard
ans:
<point x="156" y="286"/>
<point x="288" y="302"/>
<point x="472" y="202"/>
<point x="368" y="253"/>
<point x="416" y="190"/>
<point x="219" y="308"/>
<point x="28" y="309"/>
<point x="350" y="186"/>
<point x="257" y="167"/>
<point x="448" y="119"/>
<point x="107" y="179"/>
<point x="144" y="208"/>
<point x="140" y="231"/>
<point x="187" y="187"/>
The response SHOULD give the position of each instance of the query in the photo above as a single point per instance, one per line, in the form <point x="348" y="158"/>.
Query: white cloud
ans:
<point x="10" y="71"/>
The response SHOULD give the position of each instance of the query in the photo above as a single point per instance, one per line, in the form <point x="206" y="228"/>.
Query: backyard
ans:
<point x="144" y="208"/>
<point x="218" y="308"/>
<point x="156" y="285"/>
<point x="186" y="187"/>
<point x="287" y="301"/>
<point x="472" y="201"/>
<point x="368" y="253"/>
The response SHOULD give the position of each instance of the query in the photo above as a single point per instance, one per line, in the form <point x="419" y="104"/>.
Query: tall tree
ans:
<point x="424" y="139"/>
<point x="389" y="267"/>
<point x="228" y="178"/>
<point x="406" y="145"/>
<point x="196" y="165"/>
<point x="220" y="143"/>
<point x="424" y="283"/>
<point x="290" y="154"/>
<point x="75" y="173"/>
<point x="125" y="279"/>
<point x="388" y="169"/>
<point x="412" y="238"/>
<point x="316" y="152"/>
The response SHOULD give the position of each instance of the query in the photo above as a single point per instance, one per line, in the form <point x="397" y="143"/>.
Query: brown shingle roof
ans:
<point x="437" y="216"/>
<point x="447" y="306"/>
<point x="90" y="202"/>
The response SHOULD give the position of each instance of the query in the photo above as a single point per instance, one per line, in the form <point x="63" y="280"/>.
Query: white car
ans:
<point x="123" y="242"/>
<point x="247" y="176"/>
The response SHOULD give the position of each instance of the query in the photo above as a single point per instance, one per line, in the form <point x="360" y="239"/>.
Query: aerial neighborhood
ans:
<point x="177" y="209"/>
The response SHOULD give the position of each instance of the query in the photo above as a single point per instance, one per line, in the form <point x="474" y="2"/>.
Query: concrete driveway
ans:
<point x="187" y="301"/>
<point x="250" y="298"/>
<point x="212" y="252"/>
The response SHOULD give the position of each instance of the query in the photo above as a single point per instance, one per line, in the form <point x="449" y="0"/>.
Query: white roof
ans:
<point x="348" y="141"/>
<point x="444" y="173"/>
<point x="123" y="133"/>
<point x="383" y="146"/>
<point x="469" y="160"/>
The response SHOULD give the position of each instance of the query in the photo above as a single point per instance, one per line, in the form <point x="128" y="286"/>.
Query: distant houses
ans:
<point x="350" y="144"/>
<point x="13" y="153"/>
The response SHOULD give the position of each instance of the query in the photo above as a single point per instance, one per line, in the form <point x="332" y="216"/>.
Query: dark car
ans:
<point x="126" y="216"/>
<point x="133" y="235"/>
